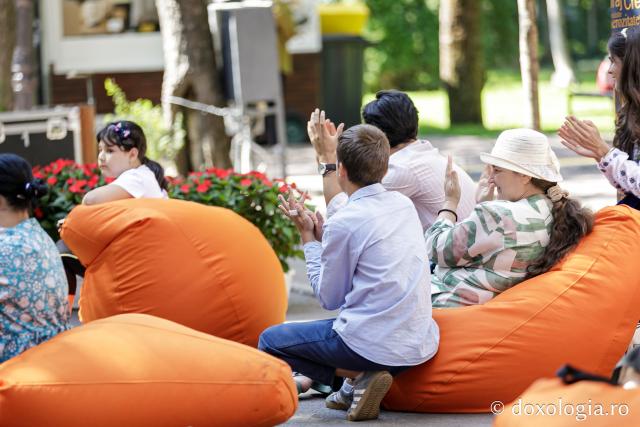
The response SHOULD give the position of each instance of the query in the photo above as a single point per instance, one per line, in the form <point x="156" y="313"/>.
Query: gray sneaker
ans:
<point x="368" y="392"/>
<point x="339" y="400"/>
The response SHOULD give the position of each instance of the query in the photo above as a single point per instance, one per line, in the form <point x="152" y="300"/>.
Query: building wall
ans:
<point x="301" y="88"/>
<point x="147" y="85"/>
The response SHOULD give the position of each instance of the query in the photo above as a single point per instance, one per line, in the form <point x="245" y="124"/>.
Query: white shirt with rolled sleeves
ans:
<point x="140" y="183"/>
<point x="371" y="265"/>
<point x="418" y="172"/>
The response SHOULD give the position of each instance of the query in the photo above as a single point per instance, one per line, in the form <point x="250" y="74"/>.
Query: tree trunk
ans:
<point x="461" y="62"/>
<point x="191" y="72"/>
<point x="24" y="78"/>
<point x="529" y="61"/>
<point x="7" y="44"/>
<point x="563" y="75"/>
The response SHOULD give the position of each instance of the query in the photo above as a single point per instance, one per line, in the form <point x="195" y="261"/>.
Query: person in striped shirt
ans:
<point x="529" y="227"/>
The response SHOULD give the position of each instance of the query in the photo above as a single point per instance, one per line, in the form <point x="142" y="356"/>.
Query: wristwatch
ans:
<point x="325" y="168"/>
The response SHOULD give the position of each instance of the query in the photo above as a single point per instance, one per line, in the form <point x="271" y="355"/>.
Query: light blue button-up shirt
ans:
<point x="372" y="265"/>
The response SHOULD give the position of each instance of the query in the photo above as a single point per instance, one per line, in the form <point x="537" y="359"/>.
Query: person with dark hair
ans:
<point x="416" y="168"/>
<point x="33" y="289"/>
<point x="531" y="226"/>
<point x="122" y="149"/>
<point x="367" y="260"/>
<point x="122" y="155"/>
<point x="620" y="163"/>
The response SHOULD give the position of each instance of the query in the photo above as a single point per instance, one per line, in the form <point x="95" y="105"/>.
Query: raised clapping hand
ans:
<point x="324" y="136"/>
<point x="583" y="138"/>
<point x="451" y="185"/>
<point x="486" y="186"/>
<point x="309" y="225"/>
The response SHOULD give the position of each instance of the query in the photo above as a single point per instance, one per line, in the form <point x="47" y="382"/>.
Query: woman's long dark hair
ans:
<point x="17" y="184"/>
<point x="626" y="46"/>
<point x="128" y="135"/>
<point x="571" y="222"/>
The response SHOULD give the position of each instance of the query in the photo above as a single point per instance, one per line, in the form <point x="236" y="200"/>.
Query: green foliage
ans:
<point x="404" y="33"/>
<point x="500" y="33"/>
<point x="404" y="54"/>
<point x="503" y="106"/>
<point x="250" y="195"/>
<point x="163" y="140"/>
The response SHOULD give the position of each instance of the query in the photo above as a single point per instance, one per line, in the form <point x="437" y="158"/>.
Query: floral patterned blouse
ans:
<point x="33" y="289"/>
<point x="623" y="173"/>
<point x="488" y="252"/>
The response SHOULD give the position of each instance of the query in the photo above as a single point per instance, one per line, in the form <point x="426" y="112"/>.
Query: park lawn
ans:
<point x="503" y="106"/>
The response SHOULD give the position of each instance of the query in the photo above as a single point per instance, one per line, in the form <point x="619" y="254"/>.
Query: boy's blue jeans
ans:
<point x="315" y="350"/>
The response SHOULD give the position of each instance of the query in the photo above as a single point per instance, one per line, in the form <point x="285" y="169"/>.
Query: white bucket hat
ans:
<point x="525" y="151"/>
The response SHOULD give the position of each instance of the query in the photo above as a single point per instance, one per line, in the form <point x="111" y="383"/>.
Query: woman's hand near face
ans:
<point x="451" y="185"/>
<point x="486" y="186"/>
<point x="583" y="138"/>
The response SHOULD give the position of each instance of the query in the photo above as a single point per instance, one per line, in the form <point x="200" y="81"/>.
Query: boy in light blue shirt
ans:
<point x="368" y="260"/>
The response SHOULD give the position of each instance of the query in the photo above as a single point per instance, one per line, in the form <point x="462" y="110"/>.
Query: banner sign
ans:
<point x="624" y="13"/>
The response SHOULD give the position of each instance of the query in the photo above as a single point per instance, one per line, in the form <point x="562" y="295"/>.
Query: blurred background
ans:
<point x="232" y="84"/>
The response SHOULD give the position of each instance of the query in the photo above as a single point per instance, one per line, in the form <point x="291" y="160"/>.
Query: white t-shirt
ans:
<point x="140" y="183"/>
<point x="417" y="171"/>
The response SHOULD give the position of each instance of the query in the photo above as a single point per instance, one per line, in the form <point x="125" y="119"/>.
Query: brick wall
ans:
<point x="146" y="85"/>
<point x="301" y="88"/>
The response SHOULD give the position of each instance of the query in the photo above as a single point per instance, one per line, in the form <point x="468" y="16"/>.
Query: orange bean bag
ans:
<point x="550" y="403"/>
<point x="140" y="370"/>
<point x="203" y="267"/>
<point x="582" y="312"/>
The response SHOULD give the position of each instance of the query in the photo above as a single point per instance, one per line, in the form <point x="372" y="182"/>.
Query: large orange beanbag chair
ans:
<point x="140" y="370"/>
<point x="582" y="312"/>
<point x="203" y="267"/>
<point x="550" y="403"/>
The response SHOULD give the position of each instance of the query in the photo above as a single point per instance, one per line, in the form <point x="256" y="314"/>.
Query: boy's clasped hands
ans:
<point x="309" y="224"/>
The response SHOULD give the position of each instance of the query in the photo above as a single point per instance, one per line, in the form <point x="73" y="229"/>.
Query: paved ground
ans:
<point x="583" y="181"/>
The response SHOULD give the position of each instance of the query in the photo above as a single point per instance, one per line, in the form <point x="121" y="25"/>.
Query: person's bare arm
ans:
<point x="104" y="194"/>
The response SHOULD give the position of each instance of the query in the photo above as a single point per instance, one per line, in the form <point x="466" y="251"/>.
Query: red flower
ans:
<point x="52" y="180"/>
<point x="246" y="182"/>
<point x="109" y="179"/>
<point x="202" y="188"/>
<point x="38" y="213"/>
<point x="38" y="175"/>
<point x="283" y="188"/>
<point x="93" y="181"/>
<point x="222" y="173"/>
<point x="185" y="188"/>
<point x="78" y="186"/>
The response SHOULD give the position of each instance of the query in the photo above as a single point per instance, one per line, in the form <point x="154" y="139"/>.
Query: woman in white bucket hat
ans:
<point x="529" y="227"/>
